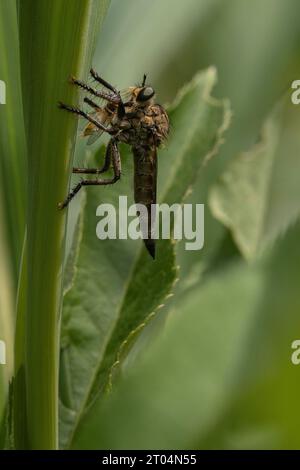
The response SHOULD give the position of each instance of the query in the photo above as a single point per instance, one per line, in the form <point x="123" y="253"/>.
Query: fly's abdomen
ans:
<point x="145" y="174"/>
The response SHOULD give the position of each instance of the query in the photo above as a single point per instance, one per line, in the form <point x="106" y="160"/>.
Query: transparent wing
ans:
<point x="94" y="136"/>
<point x="125" y="94"/>
<point x="93" y="132"/>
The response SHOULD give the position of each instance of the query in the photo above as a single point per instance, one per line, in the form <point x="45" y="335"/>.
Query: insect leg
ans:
<point x="92" y="104"/>
<point x="115" y="155"/>
<point x="103" y="82"/>
<point x="112" y="97"/>
<point x="105" y="167"/>
<point x="121" y="108"/>
<point x="89" y="118"/>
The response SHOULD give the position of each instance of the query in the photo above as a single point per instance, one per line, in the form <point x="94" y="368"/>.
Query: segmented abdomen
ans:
<point x="145" y="176"/>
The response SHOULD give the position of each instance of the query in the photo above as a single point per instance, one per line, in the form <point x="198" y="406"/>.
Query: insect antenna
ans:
<point x="144" y="80"/>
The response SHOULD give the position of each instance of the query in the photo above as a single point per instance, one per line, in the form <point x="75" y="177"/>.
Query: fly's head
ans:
<point x="142" y="97"/>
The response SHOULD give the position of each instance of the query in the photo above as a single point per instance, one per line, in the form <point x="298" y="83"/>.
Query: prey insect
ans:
<point x="139" y="122"/>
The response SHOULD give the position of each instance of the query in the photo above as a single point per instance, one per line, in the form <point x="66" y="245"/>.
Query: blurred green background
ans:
<point x="219" y="373"/>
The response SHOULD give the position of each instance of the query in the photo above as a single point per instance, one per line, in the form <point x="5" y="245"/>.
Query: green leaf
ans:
<point x="264" y="411"/>
<point x="117" y="289"/>
<point x="175" y="393"/>
<point x="198" y="121"/>
<point x="258" y="195"/>
<point x="12" y="185"/>
<point x="6" y="326"/>
<point x="12" y="140"/>
<point x="109" y="302"/>
<point x="56" y="41"/>
<point x="221" y="376"/>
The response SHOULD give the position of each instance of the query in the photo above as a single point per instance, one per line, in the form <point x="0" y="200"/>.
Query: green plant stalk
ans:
<point x="12" y="139"/>
<point x="6" y="318"/>
<point x="56" y="41"/>
<point x="12" y="185"/>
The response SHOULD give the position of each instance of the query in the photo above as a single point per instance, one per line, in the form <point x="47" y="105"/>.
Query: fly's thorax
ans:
<point x="146" y="125"/>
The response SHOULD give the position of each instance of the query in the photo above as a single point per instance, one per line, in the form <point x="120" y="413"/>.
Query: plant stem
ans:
<point x="56" y="41"/>
<point x="12" y="140"/>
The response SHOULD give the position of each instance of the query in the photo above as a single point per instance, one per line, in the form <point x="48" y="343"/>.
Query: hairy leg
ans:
<point x="116" y="160"/>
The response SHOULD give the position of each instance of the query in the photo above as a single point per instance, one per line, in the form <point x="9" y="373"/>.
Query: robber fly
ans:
<point x="138" y="122"/>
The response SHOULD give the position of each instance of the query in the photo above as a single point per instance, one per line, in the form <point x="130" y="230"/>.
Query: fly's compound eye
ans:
<point x="145" y="94"/>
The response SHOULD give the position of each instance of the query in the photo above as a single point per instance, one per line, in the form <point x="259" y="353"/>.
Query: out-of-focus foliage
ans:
<point x="220" y="376"/>
<point x="213" y="369"/>
<point x="255" y="47"/>
<point x="226" y="348"/>
<point x="258" y="196"/>
<point x="117" y="289"/>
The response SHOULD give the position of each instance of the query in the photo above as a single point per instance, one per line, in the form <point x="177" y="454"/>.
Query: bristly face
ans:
<point x="142" y="95"/>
